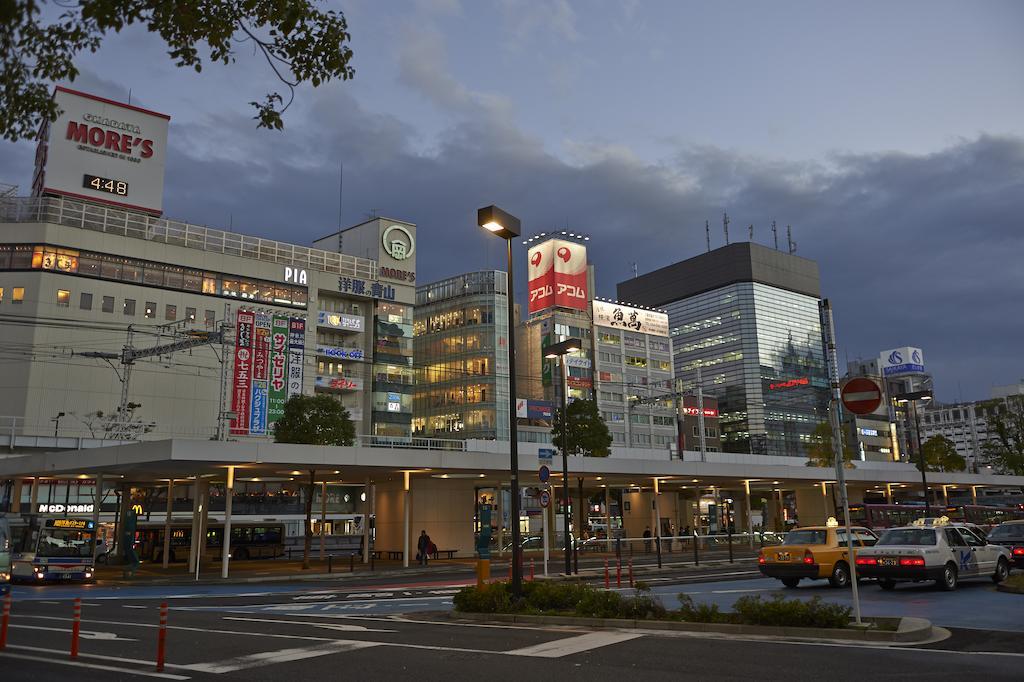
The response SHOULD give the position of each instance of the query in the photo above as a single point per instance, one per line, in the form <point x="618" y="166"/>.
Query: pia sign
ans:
<point x="899" y="361"/>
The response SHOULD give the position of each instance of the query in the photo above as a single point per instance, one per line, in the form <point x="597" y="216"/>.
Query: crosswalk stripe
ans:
<point x="574" y="645"/>
<point x="280" y="656"/>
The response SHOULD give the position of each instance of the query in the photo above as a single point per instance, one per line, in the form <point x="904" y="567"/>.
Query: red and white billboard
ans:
<point x="242" y="386"/>
<point x="557" y="275"/>
<point x="103" y="151"/>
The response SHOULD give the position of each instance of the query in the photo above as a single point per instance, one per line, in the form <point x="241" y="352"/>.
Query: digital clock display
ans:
<point x="118" y="187"/>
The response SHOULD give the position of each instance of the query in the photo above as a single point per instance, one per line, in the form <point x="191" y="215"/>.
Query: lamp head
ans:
<point x="495" y="220"/>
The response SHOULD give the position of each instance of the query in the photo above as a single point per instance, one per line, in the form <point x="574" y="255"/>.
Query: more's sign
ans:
<point x="103" y="151"/>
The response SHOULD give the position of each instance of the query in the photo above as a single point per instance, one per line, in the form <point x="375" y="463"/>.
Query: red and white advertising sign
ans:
<point x="103" y="151"/>
<point x="244" y="323"/>
<point x="695" y="411"/>
<point x="557" y="275"/>
<point x="861" y="396"/>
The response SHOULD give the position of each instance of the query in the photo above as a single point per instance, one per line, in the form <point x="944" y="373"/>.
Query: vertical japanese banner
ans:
<point x="570" y="274"/>
<point x="540" y="277"/>
<point x="278" y="370"/>
<point x="241" y="388"/>
<point x="260" y="375"/>
<point x="296" y="348"/>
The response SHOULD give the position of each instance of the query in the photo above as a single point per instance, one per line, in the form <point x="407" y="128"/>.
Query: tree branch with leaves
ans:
<point x="300" y="43"/>
<point x="1005" y="444"/>
<point x="587" y="433"/>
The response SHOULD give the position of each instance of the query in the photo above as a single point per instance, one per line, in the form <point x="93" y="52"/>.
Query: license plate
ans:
<point x="782" y="556"/>
<point x="888" y="561"/>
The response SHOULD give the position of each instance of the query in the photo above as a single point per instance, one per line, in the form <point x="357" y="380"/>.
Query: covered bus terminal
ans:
<point x="438" y="486"/>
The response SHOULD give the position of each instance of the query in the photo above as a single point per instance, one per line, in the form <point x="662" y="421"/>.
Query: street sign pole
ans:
<point x="544" y="458"/>
<point x="828" y="337"/>
<point x="547" y="548"/>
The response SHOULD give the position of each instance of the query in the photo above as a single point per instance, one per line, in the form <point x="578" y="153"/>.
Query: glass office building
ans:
<point x="461" y="348"/>
<point x="747" y="316"/>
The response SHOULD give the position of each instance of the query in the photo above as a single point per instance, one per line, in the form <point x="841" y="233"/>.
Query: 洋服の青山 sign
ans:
<point x="557" y="275"/>
<point x="791" y="383"/>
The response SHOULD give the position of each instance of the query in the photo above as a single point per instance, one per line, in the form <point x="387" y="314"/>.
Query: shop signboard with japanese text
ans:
<point x="260" y="375"/>
<point x="557" y="275"/>
<point x="278" y="383"/>
<point x="242" y="387"/>
<point x="618" y="316"/>
<point x="103" y="151"/>
<point x="296" y="351"/>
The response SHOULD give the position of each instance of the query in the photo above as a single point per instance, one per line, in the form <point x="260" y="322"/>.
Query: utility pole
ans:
<point x="751" y="228"/>
<point x="725" y="226"/>
<point x="707" y="234"/>
<point x="775" y="236"/>
<point x="789" y="238"/>
<point x="700" y="417"/>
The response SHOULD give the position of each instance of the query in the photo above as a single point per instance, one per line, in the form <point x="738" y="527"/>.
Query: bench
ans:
<point x="449" y="553"/>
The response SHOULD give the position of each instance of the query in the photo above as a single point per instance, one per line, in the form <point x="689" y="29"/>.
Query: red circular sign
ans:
<point x="861" y="396"/>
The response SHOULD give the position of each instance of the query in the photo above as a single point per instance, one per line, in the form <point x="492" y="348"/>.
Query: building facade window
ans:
<point x="190" y="314"/>
<point x="210" y="317"/>
<point x="150" y="309"/>
<point x="63" y="298"/>
<point x="108" y="304"/>
<point x="129" y="307"/>
<point x="85" y="301"/>
<point x="170" y="312"/>
<point x="18" y="295"/>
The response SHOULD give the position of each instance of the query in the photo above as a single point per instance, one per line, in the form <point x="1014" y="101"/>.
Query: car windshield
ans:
<point x="908" y="536"/>
<point x="1007" y="530"/>
<point x="806" y="537"/>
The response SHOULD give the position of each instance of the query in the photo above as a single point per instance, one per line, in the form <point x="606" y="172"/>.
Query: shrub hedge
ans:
<point x="570" y="598"/>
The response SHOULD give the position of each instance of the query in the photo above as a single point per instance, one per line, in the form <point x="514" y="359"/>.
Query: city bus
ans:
<point x="876" y="516"/>
<point x="6" y="548"/>
<point x="987" y="517"/>
<point x="249" y="540"/>
<point x="54" y="550"/>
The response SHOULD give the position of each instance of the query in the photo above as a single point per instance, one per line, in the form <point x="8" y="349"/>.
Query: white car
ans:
<point x="944" y="553"/>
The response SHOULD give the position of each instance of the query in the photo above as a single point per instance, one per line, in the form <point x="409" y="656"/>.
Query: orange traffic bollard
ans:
<point x="618" y="573"/>
<point x="510" y="571"/>
<point x="607" y="582"/>
<point x="76" y="624"/>
<point x="531" y="569"/>
<point x="631" y="572"/>
<point x="4" y="620"/>
<point x="161" y="639"/>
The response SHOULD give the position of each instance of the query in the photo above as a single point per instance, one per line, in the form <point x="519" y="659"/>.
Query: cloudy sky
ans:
<point x="889" y="135"/>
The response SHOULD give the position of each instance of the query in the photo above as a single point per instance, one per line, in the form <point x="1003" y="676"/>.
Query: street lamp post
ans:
<point x="506" y="226"/>
<point x="560" y="350"/>
<point x="912" y="398"/>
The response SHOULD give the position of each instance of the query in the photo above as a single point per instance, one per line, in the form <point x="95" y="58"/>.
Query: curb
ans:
<point x="297" y="578"/>
<point x="910" y="630"/>
<point x="644" y="569"/>
<point x="1009" y="589"/>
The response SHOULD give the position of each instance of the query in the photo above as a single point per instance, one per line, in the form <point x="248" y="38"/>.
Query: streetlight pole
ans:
<point x="506" y="226"/>
<point x="560" y="350"/>
<point x="912" y="399"/>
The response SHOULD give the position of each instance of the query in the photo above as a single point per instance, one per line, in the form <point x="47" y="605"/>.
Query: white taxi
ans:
<point x="940" y="551"/>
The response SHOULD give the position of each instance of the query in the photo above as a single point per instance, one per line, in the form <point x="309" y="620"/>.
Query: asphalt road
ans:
<point x="387" y="630"/>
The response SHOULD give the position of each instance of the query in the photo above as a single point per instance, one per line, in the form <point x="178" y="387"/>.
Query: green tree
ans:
<point x="819" y="452"/>
<point x="587" y="433"/>
<point x="300" y="43"/>
<point x="940" y="455"/>
<point x="1005" y="445"/>
<point x="313" y="420"/>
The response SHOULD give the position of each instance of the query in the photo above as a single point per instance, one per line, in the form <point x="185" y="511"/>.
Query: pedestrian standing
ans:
<point x="423" y="547"/>
<point x="647" y="540"/>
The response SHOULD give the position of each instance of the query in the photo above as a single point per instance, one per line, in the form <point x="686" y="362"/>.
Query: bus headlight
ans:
<point x="39" y="574"/>
<point x="88" y="574"/>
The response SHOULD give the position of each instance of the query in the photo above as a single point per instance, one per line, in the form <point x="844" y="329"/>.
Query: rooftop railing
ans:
<point x="88" y="216"/>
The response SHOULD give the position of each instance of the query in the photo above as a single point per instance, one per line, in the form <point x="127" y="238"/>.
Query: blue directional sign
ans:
<point x="545" y="455"/>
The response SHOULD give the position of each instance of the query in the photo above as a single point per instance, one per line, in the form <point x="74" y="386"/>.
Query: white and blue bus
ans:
<point x="56" y="550"/>
<point x="6" y="548"/>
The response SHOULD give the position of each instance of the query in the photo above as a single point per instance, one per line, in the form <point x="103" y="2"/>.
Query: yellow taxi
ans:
<point x="813" y="552"/>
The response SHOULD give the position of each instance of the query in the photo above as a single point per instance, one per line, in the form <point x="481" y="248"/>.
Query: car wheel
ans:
<point x="790" y="582"/>
<point x="840" y="575"/>
<point x="1002" y="571"/>
<point x="887" y="584"/>
<point x="949" y="578"/>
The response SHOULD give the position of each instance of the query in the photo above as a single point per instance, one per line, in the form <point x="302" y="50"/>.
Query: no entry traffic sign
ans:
<point x="861" y="396"/>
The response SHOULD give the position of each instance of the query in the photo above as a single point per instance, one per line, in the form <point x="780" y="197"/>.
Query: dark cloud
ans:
<point x="914" y="250"/>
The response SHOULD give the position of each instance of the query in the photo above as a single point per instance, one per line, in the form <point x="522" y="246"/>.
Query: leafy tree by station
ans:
<point x="940" y="455"/>
<point x="820" y="453"/>
<point x="38" y="48"/>
<point x="587" y="433"/>
<point x="1005" y="445"/>
<point x="313" y="420"/>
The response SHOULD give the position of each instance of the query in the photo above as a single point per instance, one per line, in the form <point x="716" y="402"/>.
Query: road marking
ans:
<point x="92" y="666"/>
<point x="574" y="645"/>
<point x="84" y="634"/>
<point x="281" y="656"/>
<point x="330" y="626"/>
<point x="133" y="606"/>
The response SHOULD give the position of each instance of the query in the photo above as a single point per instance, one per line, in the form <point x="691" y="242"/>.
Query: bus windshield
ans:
<point x="64" y="542"/>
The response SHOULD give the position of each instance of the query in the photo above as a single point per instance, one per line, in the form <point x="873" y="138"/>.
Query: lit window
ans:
<point x="108" y="304"/>
<point x="1" y="294"/>
<point x="17" y="294"/>
<point x="190" y="314"/>
<point x="171" y="312"/>
<point x="129" y="307"/>
<point x="63" y="298"/>
<point x="150" y="309"/>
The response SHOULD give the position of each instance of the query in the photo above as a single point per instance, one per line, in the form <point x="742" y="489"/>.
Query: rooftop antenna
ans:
<point x="775" y="236"/>
<point x="707" y="234"/>
<point x="635" y="274"/>
<point x="725" y="226"/>
<point x="129" y="95"/>
<point x="789" y="238"/>
<point x="751" y="228"/>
